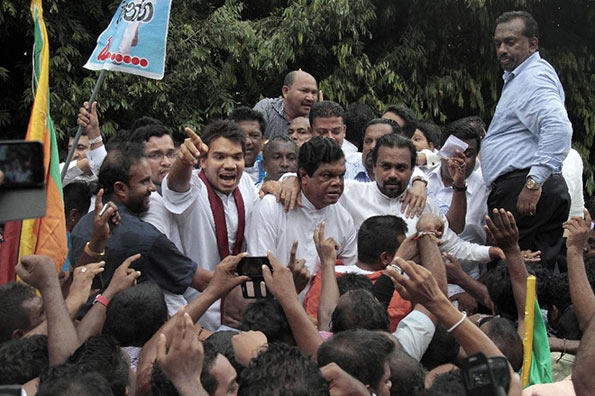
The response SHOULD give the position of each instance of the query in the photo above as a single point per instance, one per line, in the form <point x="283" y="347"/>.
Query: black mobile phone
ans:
<point x="22" y="192"/>
<point x="485" y="376"/>
<point x="252" y="267"/>
<point x="22" y="164"/>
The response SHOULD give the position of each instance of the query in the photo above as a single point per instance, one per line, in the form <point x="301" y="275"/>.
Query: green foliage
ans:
<point x="435" y="56"/>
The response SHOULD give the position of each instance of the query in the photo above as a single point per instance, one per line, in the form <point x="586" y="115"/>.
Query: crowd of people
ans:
<point x="393" y="250"/>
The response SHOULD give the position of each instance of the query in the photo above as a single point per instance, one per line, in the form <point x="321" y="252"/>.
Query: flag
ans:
<point x="537" y="364"/>
<point x="45" y="235"/>
<point x="135" y="40"/>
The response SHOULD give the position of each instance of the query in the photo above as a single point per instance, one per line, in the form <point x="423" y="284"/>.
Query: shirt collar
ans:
<point x="507" y="76"/>
<point x="309" y="206"/>
<point x="279" y="106"/>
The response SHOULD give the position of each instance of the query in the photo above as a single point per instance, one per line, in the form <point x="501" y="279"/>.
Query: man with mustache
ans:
<point x="321" y="167"/>
<point x="300" y="91"/>
<point x="528" y="138"/>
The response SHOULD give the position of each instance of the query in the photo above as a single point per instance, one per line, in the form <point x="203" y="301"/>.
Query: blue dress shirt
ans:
<point x="530" y="128"/>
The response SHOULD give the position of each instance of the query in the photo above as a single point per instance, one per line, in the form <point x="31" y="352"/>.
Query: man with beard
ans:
<point x="321" y="166"/>
<point x="299" y="94"/>
<point x="125" y="177"/>
<point x="211" y="205"/>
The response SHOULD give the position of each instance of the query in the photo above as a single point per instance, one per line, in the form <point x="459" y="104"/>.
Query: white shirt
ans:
<point x="96" y="157"/>
<point x="364" y="200"/>
<point x="75" y="174"/>
<point x="572" y="170"/>
<point x="477" y="202"/>
<point x="348" y="147"/>
<point x="194" y="218"/>
<point x="271" y="228"/>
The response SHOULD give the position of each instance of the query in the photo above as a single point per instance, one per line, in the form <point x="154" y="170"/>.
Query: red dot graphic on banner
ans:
<point x="135" y="61"/>
<point x="119" y="58"/>
<point x="144" y="62"/>
<point x="127" y="59"/>
<point x="113" y="56"/>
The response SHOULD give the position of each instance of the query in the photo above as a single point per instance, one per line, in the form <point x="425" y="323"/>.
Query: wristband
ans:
<point x="419" y="178"/>
<point x="96" y="140"/>
<point x="103" y="300"/>
<point x="454" y="326"/>
<point x="92" y="254"/>
<point x="431" y="234"/>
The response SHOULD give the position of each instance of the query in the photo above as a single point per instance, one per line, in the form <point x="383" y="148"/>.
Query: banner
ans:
<point x="135" y="40"/>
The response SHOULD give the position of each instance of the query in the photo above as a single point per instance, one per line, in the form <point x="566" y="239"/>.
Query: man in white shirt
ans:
<point x="327" y="119"/>
<point x="321" y="166"/>
<point x="211" y="206"/>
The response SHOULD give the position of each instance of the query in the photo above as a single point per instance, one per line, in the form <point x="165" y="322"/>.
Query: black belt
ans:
<point x="512" y="175"/>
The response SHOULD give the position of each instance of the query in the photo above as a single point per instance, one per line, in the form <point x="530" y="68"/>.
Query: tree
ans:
<point x="434" y="56"/>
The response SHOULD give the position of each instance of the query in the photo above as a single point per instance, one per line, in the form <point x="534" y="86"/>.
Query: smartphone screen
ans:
<point x="22" y="164"/>
<point x="252" y="267"/>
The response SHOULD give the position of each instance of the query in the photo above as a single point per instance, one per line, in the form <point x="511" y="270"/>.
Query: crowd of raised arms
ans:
<point x="392" y="250"/>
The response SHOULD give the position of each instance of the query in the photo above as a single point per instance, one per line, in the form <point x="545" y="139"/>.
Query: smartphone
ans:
<point x="22" y="164"/>
<point x="22" y="192"/>
<point x="485" y="376"/>
<point x="252" y="267"/>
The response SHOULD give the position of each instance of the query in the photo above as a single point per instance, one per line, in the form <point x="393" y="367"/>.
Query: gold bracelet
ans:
<point x="92" y="254"/>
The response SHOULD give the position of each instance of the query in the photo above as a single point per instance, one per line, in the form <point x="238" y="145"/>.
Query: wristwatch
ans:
<point x="457" y="188"/>
<point x="532" y="184"/>
<point x="96" y="140"/>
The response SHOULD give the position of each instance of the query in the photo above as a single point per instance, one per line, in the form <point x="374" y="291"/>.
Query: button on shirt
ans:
<point x="273" y="110"/>
<point x="364" y="200"/>
<point x="530" y="128"/>
<point x="194" y="219"/>
<point x="271" y="228"/>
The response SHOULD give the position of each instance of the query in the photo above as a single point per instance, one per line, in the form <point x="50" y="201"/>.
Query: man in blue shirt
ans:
<point x="528" y="139"/>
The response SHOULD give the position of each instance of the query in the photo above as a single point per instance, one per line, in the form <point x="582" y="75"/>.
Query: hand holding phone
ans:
<point x="252" y="267"/>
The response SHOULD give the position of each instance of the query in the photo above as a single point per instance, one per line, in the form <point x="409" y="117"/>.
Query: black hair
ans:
<point x="227" y="129"/>
<point x="394" y="141"/>
<point x="266" y="151"/>
<point x="325" y="109"/>
<point x="23" y="359"/>
<point x="447" y="384"/>
<point x="356" y="118"/>
<point x="73" y="380"/>
<point x="117" y="164"/>
<point x="431" y="131"/>
<point x="281" y="369"/>
<point x="465" y="128"/>
<point x="162" y="386"/>
<point x="135" y="314"/>
<point x="245" y="113"/>
<point x="443" y="349"/>
<point x="531" y="27"/>
<point x="143" y="122"/>
<point x="407" y="115"/>
<point x="568" y="326"/>
<point x="12" y="314"/>
<point x="407" y="375"/>
<point x="359" y="309"/>
<point x="552" y="288"/>
<point x="360" y="353"/>
<point x="352" y="281"/>
<point x="316" y="151"/>
<point x="497" y="280"/>
<point x="379" y="234"/>
<point x="144" y="133"/>
<point x="385" y="121"/>
<point x="221" y="342"/>
<point x="117" y="138"/>
<point x="267" y="316"/>
<point x="102" y="354"/>
<point x="504" y="334"/>
<point x="77" y="195"/>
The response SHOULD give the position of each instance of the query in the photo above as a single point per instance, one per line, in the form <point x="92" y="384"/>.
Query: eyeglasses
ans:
<point x="158" y="155"/>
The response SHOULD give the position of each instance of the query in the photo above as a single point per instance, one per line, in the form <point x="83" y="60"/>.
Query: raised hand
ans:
<point x="502" y="231"/>
<point x="192" y="148"/>
<point x="37" y="271"/>
<point x="104" y="214"/>
<point x="87" y="118"/>
<point x="123" y="278"/>
<point x="280" y="281"/>
<point x="301" y="274"/>
<point x="577" y="230"/>
<point x="419" y="285"/>
<point x="457" y="168"/>
<point x="414" y="200"/>
<point x="431" y="223"/>
<point x="82" y="279"/>
<point x="224" y="277"/>
<point x="325" y="247"/>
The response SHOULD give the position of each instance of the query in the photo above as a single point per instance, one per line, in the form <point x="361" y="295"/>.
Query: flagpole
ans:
<point x="79" y="131"/>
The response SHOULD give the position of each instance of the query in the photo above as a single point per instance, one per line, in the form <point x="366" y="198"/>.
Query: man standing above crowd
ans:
<point x="211" y="205"/>
<point x="299" y="94"/>
<point x="528" y="139"/>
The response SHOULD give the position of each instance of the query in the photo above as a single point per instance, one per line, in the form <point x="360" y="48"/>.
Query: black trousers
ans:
<point x="543" y="231"/>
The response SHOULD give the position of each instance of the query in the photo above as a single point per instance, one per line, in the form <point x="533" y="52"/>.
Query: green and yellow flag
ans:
<point x="46" y="235"/>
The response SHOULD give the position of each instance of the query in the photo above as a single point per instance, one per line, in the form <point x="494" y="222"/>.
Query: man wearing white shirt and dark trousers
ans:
<point x="211" y="205"/>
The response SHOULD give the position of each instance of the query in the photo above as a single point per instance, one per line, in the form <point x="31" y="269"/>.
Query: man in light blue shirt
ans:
<point x="528" y="139"/>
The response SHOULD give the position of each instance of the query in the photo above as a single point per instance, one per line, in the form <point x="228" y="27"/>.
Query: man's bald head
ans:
<point x="300" y="91"/>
